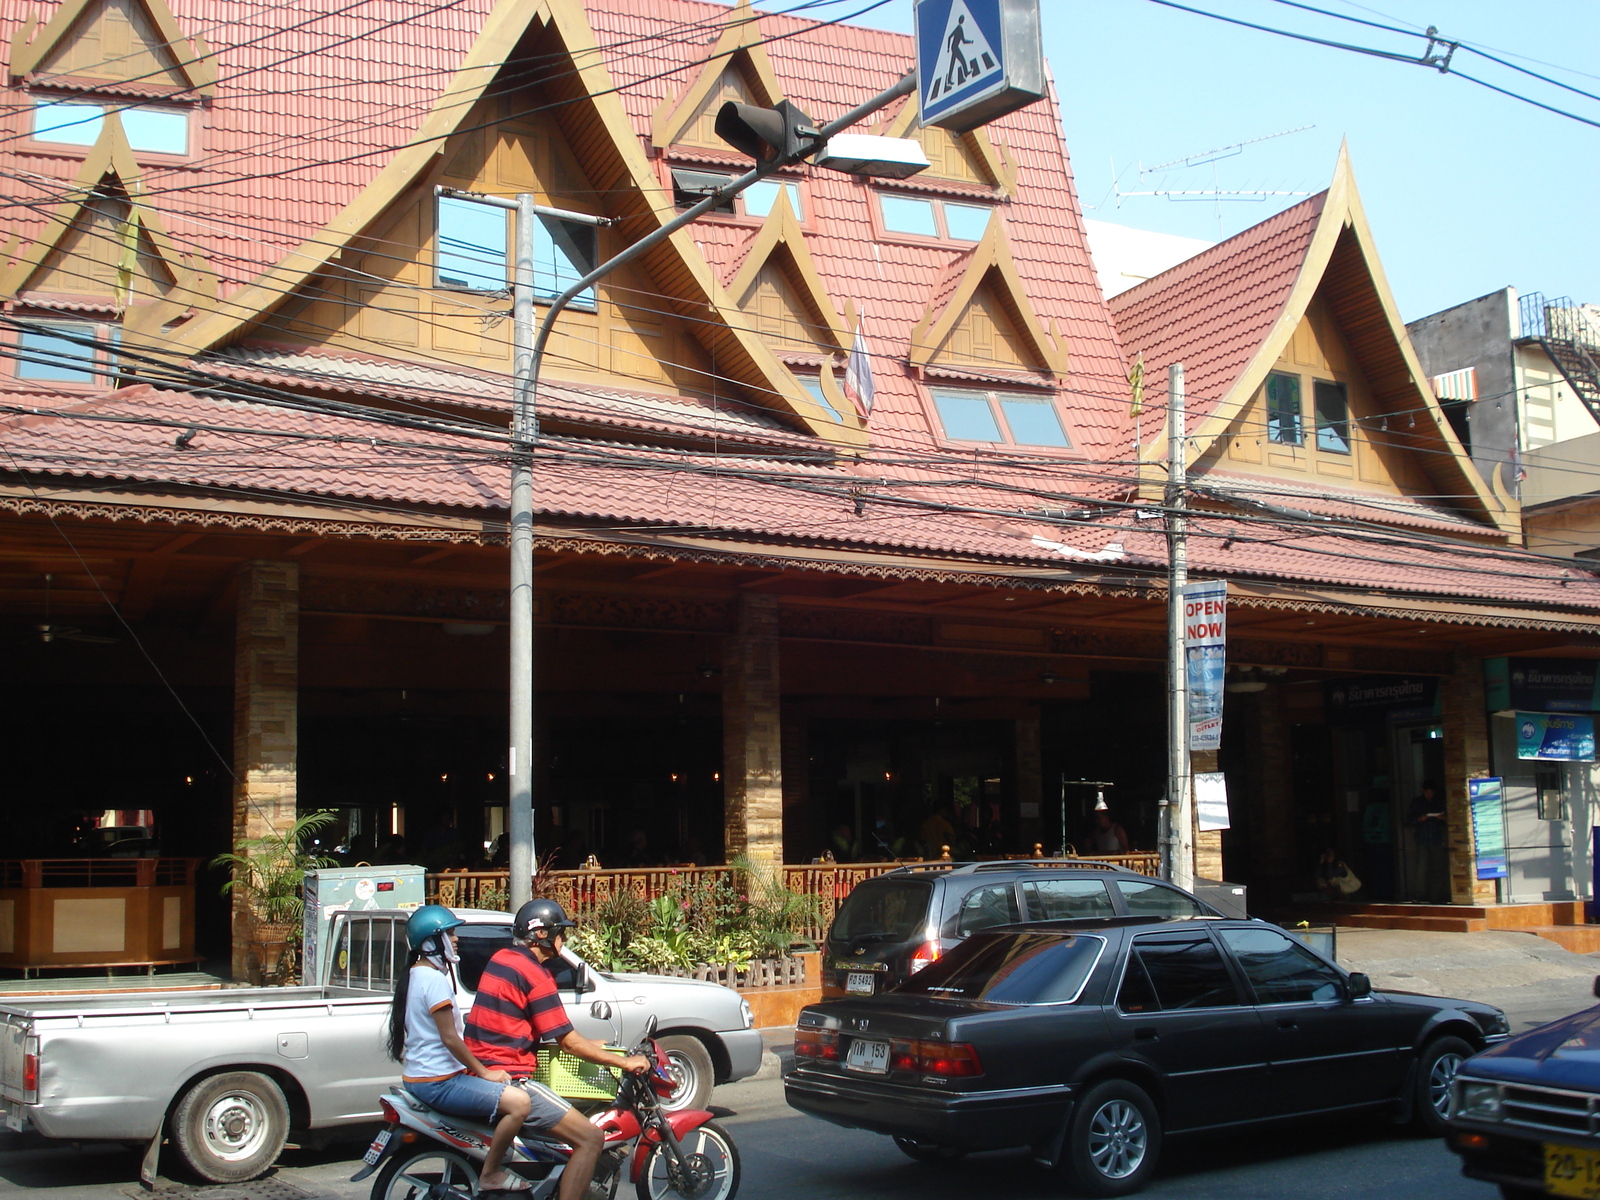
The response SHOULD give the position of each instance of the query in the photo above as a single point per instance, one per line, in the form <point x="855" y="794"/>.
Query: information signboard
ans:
<point x="1555" y="737"/>
<point x="977" y="60"/>
<point x="1488" y="826"/>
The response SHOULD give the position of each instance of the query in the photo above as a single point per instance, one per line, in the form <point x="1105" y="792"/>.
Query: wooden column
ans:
<point x="1466" y="754"/>
<point x="752" y="755"/>
<point x="266" y="671"/>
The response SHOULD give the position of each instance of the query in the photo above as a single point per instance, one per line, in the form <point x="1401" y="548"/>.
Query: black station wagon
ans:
<point x="892" y="926"/>
<point x="1089" y="1041"/>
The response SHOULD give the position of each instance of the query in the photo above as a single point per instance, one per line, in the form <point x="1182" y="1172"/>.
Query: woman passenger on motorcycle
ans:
<point x="425" y="1037"/>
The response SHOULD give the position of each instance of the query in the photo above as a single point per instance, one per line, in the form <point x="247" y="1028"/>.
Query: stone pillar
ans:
<point x="1030" y="785"/>
<point x="1466" y="754"/>
<point x="266" y="670"/>
<point x="752" y="754"/>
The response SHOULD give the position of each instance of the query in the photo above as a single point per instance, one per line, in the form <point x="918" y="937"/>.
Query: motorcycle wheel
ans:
<point x="712" y="1161"/>
<point x="428" y="1171"/>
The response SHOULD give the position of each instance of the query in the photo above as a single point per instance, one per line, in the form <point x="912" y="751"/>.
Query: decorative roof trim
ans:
<point x="779" y="234"/>
<point x="192" y="57"/>
<point x="991" y="156"/>
<point x="990" y="258"/>
<point x="1341" y="210"/>
<point x="740" y="43"/>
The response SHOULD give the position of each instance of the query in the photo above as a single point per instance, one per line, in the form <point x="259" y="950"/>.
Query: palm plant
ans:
<point x="270" y="871"/>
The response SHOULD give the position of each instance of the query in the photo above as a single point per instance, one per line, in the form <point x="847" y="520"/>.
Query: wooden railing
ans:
<point x="582" y="892"/>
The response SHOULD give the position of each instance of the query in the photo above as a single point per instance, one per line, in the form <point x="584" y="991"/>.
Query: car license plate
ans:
<point x="15" y="1121"/>
<point x="375" y="1151"/>
<point x="859" y="983"/>
<point x="1571" y="1171"/>
<point x="868" y="1054"/>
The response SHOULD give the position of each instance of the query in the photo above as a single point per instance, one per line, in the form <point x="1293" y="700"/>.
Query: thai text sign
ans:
<point x="1541" y="684"/>
<point x="1488" y="827"/>
<point x="1205" y="647"/>
<point x="1556" y="737"/>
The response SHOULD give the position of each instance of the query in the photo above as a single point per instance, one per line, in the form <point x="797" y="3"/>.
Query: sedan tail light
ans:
<point x="923" y="955"/>
<point x="817" y="1043"/>
<point x="949" y="1059"/>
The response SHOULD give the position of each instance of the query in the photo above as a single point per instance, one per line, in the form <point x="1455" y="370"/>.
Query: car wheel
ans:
<point x="927" y="1152"/>
<point x="1436" y="1071"/>
<point x="231" y="1127"/>
<point x="689" y="1064"/>
<point x="1114" y="1139"/>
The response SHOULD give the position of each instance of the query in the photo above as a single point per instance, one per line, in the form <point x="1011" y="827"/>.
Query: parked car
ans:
<point x="1092" y="1041"/>
<point x="893" y="925"/>
<point x="225" y="1075"/>
<point x="1524" y="1113"/>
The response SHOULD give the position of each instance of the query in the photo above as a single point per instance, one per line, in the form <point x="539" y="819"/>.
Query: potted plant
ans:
<point x="269" y="872"/>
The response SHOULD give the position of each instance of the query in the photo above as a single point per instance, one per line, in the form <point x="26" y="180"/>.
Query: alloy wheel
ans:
<point x="1118" y="1139"/>
<point x="1440" y="1079"/>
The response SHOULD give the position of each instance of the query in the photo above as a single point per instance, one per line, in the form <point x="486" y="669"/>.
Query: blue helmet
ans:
<point x="427" y="921"/>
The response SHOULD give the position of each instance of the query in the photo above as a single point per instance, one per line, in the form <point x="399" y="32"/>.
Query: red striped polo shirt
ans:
<point x="517" y="1007"/>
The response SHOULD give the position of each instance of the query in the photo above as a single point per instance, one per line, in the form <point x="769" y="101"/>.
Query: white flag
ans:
<point x="858" y="372"/>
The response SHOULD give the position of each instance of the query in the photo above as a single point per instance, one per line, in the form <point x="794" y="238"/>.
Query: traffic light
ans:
<point x="767" y="133"/>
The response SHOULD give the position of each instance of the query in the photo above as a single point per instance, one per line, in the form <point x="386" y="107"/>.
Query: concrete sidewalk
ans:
<point x="1534" y="980"/>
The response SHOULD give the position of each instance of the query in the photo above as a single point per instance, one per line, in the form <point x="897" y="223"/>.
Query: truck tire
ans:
<point x="1436" y="1071"/>
<point x="231" y="1127"/>
<point x="689" y="1063"/>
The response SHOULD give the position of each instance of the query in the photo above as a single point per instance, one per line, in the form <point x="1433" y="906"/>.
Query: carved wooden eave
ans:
<point x="992" y="158"/>
<point x="644" y="203"/>
<point x="191" y="58"/>
<point x="780" y="237"/>
<point x="989" y="263"/>
<point x="739" y="45"/>
<point x="1343" y="221"/>
<point x="194" y="284"/>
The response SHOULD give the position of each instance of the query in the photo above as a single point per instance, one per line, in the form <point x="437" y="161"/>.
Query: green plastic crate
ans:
<point x="574" y="1078"/>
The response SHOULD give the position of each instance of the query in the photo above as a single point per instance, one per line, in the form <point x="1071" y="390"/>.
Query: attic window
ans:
<point x="70" y="123"/>
<point x="1014" y="418"/>
<point x="923" y="217"/>
<point x="474" y="251"/>
<point x="690" y="187"/>
<point x="73" y="352"/>
<point x="813" y="384"/>
<point x="1283" y="410"/>
<point x="1333" y="417"/>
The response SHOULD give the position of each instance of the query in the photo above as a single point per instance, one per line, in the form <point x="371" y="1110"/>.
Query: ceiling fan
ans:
<point x="51" y="631"/>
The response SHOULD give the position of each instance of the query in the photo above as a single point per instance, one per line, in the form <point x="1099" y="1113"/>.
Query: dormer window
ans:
<point x="1000" y="418"/>
<point x="924" y="217"/>
<point x="74" y="123"/>
<point x="474" y="251"/>
<point x="689" y="187"/>
<point x="70" y="352"/>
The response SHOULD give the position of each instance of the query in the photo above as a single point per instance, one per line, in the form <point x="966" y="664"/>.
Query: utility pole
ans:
<point x="529" y="347"/>
<point x="1179" y="841"/>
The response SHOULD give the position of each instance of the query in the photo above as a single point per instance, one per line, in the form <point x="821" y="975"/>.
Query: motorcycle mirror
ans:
<point x="600" y="1010"/>
<point x="651" y="1026"/>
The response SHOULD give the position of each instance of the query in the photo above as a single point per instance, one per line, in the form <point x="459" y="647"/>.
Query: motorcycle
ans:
<point x="423" y="1154"/>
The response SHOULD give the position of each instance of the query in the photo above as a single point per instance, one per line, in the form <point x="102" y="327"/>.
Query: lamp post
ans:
<point x="800" y="141"/>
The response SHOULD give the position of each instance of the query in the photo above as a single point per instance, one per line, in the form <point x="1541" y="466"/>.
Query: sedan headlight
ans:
<point x="1480" y="1101"/>
<point x="1492" y="1023"/>
<point x="745" y="1013"/>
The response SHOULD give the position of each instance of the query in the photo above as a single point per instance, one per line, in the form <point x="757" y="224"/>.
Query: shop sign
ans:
<point x="1388" y="697"/>
<point x="1555" y="737"/>
<point x="1541" y="684"/>
<point x="1205" y="646"/>
<point x="1211" y="800"/>
<point x="1488" y="826"/>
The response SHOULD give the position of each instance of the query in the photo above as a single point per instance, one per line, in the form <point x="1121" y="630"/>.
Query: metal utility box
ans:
<point x="1227" y="898"/>
<point x="334" y="890"/>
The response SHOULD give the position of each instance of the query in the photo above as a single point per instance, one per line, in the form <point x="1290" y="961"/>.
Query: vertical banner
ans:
<point x="1205" y="647"/>
<point x="1488" y="827"/>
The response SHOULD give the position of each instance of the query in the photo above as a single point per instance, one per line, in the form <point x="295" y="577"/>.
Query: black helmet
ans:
<point x="538" y="920"/>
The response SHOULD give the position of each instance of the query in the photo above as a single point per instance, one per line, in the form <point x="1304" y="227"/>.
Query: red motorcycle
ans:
<point x="423" y="1154"/>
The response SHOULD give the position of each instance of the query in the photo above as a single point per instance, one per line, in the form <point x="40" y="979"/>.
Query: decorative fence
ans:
<point x="581" y="892"/>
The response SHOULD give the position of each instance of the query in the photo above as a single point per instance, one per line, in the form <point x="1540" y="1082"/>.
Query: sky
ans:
<point x="1466" y="191"/>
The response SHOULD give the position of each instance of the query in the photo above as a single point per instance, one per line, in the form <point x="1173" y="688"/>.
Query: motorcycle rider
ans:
<point x="425" y="1036"/>
<point x="517" y="1007"/>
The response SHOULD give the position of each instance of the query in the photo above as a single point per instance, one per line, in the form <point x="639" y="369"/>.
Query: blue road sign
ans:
<point x="976" y="60"/>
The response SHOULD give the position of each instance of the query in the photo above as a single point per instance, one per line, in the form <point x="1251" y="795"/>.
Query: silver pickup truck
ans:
<point x="224" y="1076"/>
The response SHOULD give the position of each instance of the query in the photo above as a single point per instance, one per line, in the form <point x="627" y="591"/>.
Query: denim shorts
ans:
<point x="462" y="1094"/>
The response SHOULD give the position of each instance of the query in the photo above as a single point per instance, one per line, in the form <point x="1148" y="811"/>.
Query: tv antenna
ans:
<point x="1217" y="194"/>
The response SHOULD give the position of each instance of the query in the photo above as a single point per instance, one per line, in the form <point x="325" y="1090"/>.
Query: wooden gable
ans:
<point x="736" y="69"/>
<point x="987" y="319"/>
<point x="960" y="158"/>
<point x="132" y="42"/>
<point x="779" y="287"/>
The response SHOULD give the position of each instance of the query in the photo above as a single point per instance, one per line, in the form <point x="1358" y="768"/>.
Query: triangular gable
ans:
<point x="736" y="68"/>
<point x="964" y="157"/>
<point x="99" y="243"/>
<point x="781" y="245"/>
<point x="113" y="41"/>
<point x="631" y="183"/>
<point x="989" y="277"/>
<point x="1340" y="261"/>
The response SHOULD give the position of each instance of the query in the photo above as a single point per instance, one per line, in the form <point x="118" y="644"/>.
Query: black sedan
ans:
<point x="1088" y="1041"/>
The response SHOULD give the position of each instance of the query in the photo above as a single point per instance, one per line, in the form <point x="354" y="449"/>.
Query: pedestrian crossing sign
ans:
<point x="976" y="60"/>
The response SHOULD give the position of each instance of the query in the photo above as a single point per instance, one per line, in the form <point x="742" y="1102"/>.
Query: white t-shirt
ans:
<point x="427" y="1057"/>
